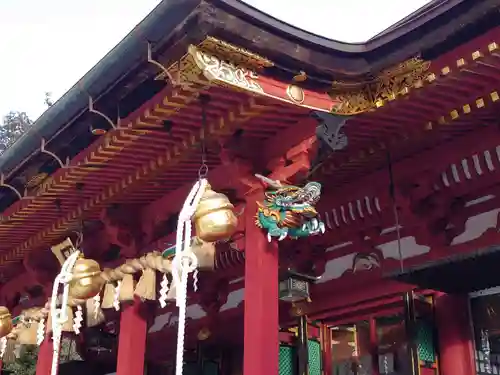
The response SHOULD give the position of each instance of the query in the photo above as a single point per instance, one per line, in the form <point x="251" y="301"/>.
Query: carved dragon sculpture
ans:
<point x="288" y="211"/>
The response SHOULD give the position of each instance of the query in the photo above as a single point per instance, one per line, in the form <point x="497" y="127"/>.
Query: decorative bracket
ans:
<point x="330" y="130"/>
<point x="104" y="116"/>
<point x="12" y="188"/>
<point x="176" y="82"/>
<point x="160" y="66"/>
<point x="330" y="136"/>
<point x="57" y="158"/>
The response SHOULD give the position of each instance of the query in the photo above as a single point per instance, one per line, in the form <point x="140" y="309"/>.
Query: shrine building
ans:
<point x="227" y="194"/>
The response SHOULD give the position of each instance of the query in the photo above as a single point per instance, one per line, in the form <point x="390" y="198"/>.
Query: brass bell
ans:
<point x="214" y="218"/>
<point x="5" y="322"/>
<point x="86" y="281"/>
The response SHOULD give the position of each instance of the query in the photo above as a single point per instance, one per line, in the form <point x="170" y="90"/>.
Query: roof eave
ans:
<point x="108" y="72"/>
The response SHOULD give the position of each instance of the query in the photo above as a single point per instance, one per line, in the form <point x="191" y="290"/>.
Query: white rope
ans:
<point x="40" y="332"/>
<point x="59" y="316"/>
<point x="183" y="263"/>
<point x="3" y="346"/>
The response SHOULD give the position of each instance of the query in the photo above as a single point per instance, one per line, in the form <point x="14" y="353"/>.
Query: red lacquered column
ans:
<point x="132" y="339"/>
<point x="44" y="362"/>
<point x="261" y="350"/>
<point x="455" y="336"/>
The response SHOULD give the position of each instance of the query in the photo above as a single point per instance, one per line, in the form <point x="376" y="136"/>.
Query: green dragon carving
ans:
<point x="289" y="211"/>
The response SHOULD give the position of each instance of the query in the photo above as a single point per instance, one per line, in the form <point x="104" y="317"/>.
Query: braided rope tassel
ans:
<point x="40" y="332"/>
<point x="59" y="315"/>
<point x="195" y="280"/>
<point x="163" y="291"/>
<point x="184" y="262"/>
<point x="78" y="319"/>
<point x="116" y="301"/>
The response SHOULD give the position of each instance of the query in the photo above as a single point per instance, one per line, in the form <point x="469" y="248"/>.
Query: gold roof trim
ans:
<point x="189" y="71"/>
<point x="237" y="55"/>
<point x="359" y="97"/>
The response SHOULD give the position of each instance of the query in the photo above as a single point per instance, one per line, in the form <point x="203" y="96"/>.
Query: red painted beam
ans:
<point x="428" y="164"/>
<point x="287" y="145"/>
<point x="368" y="306"/>
<point x="464" y="50"/>
<point x="342" y="296"/>
<point x="424" y="169"/>
<point x="356" y="316"/>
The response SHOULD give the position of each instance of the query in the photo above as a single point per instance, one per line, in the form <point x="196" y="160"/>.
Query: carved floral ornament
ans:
<point x="227" y="73"/>
<point x="219" y="61"/>
<point x="359" y="97"/>
<point x="215" y="61"/>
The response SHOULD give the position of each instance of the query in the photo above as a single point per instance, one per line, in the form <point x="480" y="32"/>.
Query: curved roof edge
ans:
<point x="124" y="57"/>
<point x="418" y="18"/>
<point x="242" y="24"/>
<point x="267" y="36"/>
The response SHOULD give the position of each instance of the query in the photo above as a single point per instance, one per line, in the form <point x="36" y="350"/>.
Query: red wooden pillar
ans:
<point x="44" y="362"/>
<point x="374" y="346"/>
<point x="454" y="335"/>
<point x="132" y="339"/>
<point x="261" y="344"/>
<point x="326" y="338"/>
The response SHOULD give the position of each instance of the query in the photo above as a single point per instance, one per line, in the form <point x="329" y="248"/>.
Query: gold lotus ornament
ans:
<point x="86" y="281"/>
<point x="5" y="322"/>
<point x="214" y="218"/>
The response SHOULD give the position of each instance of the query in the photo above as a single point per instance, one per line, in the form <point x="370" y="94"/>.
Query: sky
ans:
<point x="47" y="46"/>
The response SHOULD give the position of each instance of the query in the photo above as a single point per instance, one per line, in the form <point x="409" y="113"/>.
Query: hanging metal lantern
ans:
<point x="294" y="286"/>
<point x="5" y="322"/>
<point x="214" y="218"/>
<point x="86" y="281"/>
<point x="293" y="290"/>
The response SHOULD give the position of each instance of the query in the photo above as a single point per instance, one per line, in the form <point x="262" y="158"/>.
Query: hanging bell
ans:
<point x="5" y="322"/>
<point x="214" y="218"/>
<point x="86" y="281"/>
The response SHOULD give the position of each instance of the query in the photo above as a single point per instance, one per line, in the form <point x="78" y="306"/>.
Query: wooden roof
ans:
<point x="139" y="160"/>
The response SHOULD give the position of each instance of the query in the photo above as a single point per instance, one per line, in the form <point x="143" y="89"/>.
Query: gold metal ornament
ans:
<point x="214" y="218"/>
<point x="86" y="281"/>
<point x="204" y="334"/>
<point x="5" y="322"/>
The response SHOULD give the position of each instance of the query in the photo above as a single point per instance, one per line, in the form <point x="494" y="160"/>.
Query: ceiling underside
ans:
<point x="456" y="274"/>
<point x="141" y="161"/>
<point x="458" y="93"/>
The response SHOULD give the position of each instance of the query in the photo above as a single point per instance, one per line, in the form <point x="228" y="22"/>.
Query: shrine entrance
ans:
<point x="383" y="337"/>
